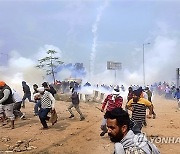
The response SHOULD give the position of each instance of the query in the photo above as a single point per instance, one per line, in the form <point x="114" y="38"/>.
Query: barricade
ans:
<point x="101" y="98"/>
<point x="95" y="95"/>
<point x="84" y="97"/>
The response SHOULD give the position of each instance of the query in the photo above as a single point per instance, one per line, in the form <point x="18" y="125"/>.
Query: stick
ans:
<point x="98" y="109"/>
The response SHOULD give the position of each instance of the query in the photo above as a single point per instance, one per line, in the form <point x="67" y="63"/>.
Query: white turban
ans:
<point x="40" y="89"/>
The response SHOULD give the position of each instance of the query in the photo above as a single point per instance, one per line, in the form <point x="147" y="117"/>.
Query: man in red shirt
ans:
<point x="112" y="101"/>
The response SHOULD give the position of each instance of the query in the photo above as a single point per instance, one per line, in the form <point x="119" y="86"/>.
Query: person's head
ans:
<point x="130" y="89"/>
<point x="23" y="82"/>
<point x="147" y="89"/>
<point x="2" y="84"/>
<point x="35" y="86"/>
<point x="72" y="89"/>
<point x="116" y="92"/>
<point x="136" y="95"/>
<point x="41" y="90"/>
<point x="118" y="124"/>
<point x="45" y="84"/>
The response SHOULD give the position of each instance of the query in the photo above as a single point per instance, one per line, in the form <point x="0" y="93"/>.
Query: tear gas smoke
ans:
<point x="95" y="36"/>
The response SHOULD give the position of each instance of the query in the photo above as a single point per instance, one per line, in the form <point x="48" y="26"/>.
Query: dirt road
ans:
<point x="82" y="137"/>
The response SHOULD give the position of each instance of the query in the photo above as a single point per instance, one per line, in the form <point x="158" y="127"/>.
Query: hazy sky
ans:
<point x="92" y="32"/>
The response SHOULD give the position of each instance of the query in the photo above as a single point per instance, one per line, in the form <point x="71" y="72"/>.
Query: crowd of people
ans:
<point x="11" y="102"/>
<point x="122" y="128"/>
<point x="43" y="99"/>
<point x="125" y="130"/>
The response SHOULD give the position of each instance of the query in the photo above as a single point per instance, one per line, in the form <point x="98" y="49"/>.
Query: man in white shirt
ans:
<point x="17" y="105"/>
<point x="47" y="105"/>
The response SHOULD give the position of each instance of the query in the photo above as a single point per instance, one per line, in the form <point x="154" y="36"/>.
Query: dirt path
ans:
<point x="82" y="137"/>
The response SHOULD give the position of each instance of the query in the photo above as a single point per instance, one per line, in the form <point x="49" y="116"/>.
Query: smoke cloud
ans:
<point x="95" y="36"/>
<point x="20" y="68"/>
<point x="120" y="40"/>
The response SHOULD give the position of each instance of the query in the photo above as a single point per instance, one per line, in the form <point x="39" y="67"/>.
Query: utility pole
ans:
<point x="144" y="82"/>
<point x="144" y="73"/>
<point x="177" y="77"/>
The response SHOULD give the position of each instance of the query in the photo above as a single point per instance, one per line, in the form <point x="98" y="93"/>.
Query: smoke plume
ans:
<point x="95" y="36"/>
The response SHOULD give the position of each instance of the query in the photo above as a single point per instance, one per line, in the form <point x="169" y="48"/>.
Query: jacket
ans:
<point x="26" y="88"/>
<point x="112" y="103"/>
<point x="135" y="144"/>
<point x="6" y="95"/>
<point x="75" y="98"/>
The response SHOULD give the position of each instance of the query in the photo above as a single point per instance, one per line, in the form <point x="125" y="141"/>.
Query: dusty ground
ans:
<point x="82" y="137"/>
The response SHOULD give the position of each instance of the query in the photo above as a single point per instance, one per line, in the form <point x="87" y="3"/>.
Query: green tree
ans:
<point x="50" y="63"/>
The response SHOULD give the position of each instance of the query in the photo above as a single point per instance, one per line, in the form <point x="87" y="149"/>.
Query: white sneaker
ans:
<point x="23" y="116"/>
